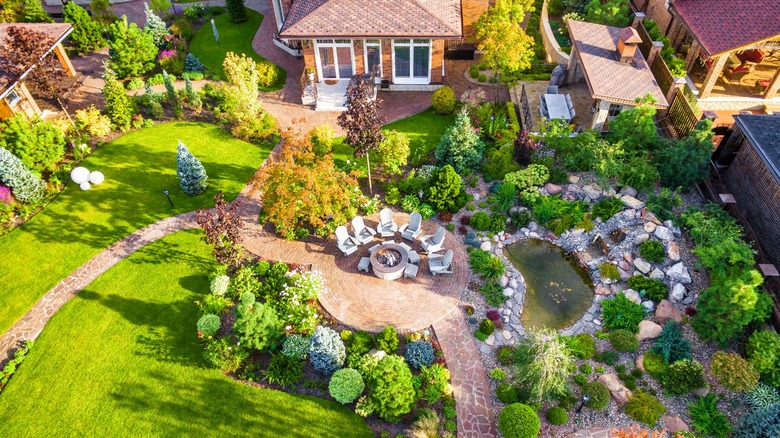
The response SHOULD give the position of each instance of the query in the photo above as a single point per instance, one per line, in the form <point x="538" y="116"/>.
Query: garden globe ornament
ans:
<point x="96" y="177"/>
<point x="85" y="185"/>
<point x="79" y="175"/>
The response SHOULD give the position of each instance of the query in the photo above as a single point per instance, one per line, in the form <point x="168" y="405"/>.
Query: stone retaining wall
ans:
<point x="554" y="52"/>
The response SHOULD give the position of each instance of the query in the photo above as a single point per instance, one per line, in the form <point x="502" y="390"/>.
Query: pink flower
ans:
<point x="167" y="54"/>
<point x="5" y="195"/>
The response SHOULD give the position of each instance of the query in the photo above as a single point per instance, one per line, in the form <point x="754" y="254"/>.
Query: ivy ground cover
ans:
<point x="79" y="224"/>
<point x="123" y="359"/>
<point x="236" y="38"/>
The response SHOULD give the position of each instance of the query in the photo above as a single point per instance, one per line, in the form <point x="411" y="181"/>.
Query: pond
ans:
<point x="558" y="290"/>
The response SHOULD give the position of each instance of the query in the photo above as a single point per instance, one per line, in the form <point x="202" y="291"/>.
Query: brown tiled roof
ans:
<point x="57" y="31"/>
<point x="607" y="77"/>
<point x="724" y="25"/>
<point x="373" y="18"/>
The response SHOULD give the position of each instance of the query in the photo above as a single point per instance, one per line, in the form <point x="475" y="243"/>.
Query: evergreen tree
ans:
<point x="169" y="88"/>
<point x="120" y="107"/>
<point x="460" y="145"/>
<point x="192" y="176"/>
<point x="33" y="12"/>
<point x="155" y="26"/>
<point x="26" y="186"/>
<point x="192" y="63"/>
<point x="236" y="10"/>
<point x="132" y="50"/>
<point x="193" y="97"/>
<point x="103" y="11"/>
<point x="87" y="35"/>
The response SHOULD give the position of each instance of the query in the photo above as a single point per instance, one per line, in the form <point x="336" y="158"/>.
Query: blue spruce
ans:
<point x="192" y="176"/>
<point x="192" y="63"/>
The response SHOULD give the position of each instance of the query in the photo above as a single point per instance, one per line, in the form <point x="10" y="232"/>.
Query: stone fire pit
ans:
<point x="389" y="261"/>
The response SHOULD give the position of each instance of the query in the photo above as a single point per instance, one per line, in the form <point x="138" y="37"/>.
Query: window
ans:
<point x="12" y="98"/>
<point x="614" y="110"/>
<point x="373" y="57"/>
<point x="334" y="59"/>
<point x="412" y="61"/>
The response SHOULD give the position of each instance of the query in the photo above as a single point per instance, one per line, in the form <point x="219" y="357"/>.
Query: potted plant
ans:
<point x="309" y="73"/>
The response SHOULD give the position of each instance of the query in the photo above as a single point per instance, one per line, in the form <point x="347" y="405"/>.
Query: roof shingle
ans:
<point x="54" y="30"/>
<point x="763" y="131"/>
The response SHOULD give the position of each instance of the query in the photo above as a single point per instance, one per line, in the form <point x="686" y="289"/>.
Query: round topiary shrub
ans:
<point x="387" y="340"/>
<point x="419" y="353"/>
<point x="443" y="100"/>
<point x="346" y="385"/>
<point x="480" y="221"/>
<point x="209" y="324"/>
<point x="557" y="416"/>
<point x="487" y="327"/>
<point x="519" y="421"/>
<point x="507" y="393"/>
<point x="683" y="376"/>
<point x="482" y="78"/>
<point x="326" y="350"/>
<point x="474" y="71"/>
<point x="645" y="408"/>
<point x="654" y="364"/>
<point x="598" y="393"/>
<point x="624" y="340"/>
<point x="652" y="251"/>
<point x="219" y="285"/>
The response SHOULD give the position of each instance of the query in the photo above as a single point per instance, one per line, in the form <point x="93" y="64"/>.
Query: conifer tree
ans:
<point x="236" y="11"/>
<point x="87" y="35"/>
<point x="169" y="88"/>
<point x="193" y="97"/>
<point x="192" y="63"/>
<point x="192" y="176"/>
<point x="155" y="26"/>
<point x="132" y="50"/>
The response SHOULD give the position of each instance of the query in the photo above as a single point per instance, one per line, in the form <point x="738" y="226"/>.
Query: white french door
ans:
<point x="411" y="61"/>
<point x="334" y="59"/>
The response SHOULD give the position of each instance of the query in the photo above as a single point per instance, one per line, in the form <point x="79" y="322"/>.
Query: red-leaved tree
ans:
<point x="222" y="226"/>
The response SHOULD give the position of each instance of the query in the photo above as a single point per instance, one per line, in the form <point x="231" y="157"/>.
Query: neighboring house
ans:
<point x="731" y="49"/>
<point x="14" y="95"/>
<point x="753" y="177"/>
<point x="401" y="43"/>
<point x="616" y="72"/>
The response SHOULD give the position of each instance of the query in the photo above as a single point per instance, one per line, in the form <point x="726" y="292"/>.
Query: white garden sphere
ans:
<point x="96" y="177"/>
<point x="85" y="186"/>
<point x="79" y="175"/>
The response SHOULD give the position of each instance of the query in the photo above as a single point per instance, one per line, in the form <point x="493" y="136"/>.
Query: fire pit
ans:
<point x="389" y="261"/>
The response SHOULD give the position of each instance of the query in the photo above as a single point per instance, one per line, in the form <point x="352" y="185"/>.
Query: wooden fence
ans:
<point x="682" y="118"/>
<point x="647" y="42"/>
<point x="662" y="74"/>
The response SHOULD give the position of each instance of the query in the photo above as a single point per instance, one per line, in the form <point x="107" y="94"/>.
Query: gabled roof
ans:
<point x="724" y="25"/>
<point x="373" y="18"/>
<point x="763" y="132"/>
<point x="57" y="31"/>
<point x="608" y="78"/>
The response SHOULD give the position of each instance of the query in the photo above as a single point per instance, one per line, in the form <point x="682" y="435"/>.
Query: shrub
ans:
<point x="434" y="380"/>
<point x="283" y="370"/>
<point x="664" y="203"/>
<point x="486" y="265"/>
<point x="192" y="75"/>
<point x="93" y="121"/>
<point x="582" y="345"/>
<point x="236" y="11"/>
<point x="193" y="64"/>
<point x="606" y="208"/>
<point x="425" y="424"/>
<point x="521" y="219"/>
<point x="557" y="416"/>
<point x="209" y="325"/>
<point x="120" y="107"/>
<point x="653" y="289"/>
<point x="360" y="343"/>
<point x="480" y="221"/>
<point x="580" y="379"/>
<point x="608" y="270"/>
<point x="607" y="357"/>
<point x="519" y="421"/>
<point x="410" y="203"/>
<point x="498" y="374"/>
<point x="213" y="304"/>
<point x="443" y="100"/>
<point x="652" y="251"/>
<point x="654" y="364"/>
<point x="393" y="152"/>
<point x="487" y="327"/>
<point x="326" y="350"/>
<point x="225" y="355"/>
<point x="761" y="423"/>
<point x="621" y="313"/>
<point x="504" y="196"/>
<point x="763" y="351"/>
<point x="392" y="392"/>
<point x="762" y="396"/>
<point x="132" y="50"/>
<point x="387" y="340"/>
<point x="505" y="355"/>
<point x="586" y="368"/>
<point x="37" y="143"/>
<point x="267" y="74"/>
<point x="706" y="418"/>
<point x="671" y="345"/>
<point x="685" y="162"/>
<point x="644" y="408"/>
<point x="718" y="237"/>
<point x="296" y="346"/>
<point x="322" y="137"/>
<point x="445" y="189"/>
<point x="346" y="385"/>
<point x="460" y="146"/>
<point x="257" y="325"/>
<point x="544" y="363"/>
<point x="555" y="7"/>
<point x="598" y="395"/>
<point x="418" y="354"/>
<point x="26" y="186"/>
<point x="683" y="376"/>
<point x="135" y="84"/>
<point x="87" y="35"/>
<point x="507" y="393"/>
<point x="499" y="163"/>
<point x="623" y="340"/>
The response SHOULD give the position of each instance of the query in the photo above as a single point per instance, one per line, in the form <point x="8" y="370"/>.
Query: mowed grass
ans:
<point x="236" y="38"/>
<point x="423" y="129"/>
<point x="79" y="224"/>
<point x="122" y="359"/>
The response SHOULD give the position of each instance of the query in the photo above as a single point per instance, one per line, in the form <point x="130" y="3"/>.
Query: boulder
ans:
<point x="602" y="290"/>
<point x="508" y="292"/>
<point x="513" y="283"/>
<point x="632" y="296"/>
<point x="625" y="265"/>
<point x="667" y="312"/>
<point x="619" y="392"/>
<point x="674" y="424"/>
<point x="701" y="392"/>
<point x="553" y="189"/>
<point x="639" y="362"/>
<point x="491" y="340"/>
<point x="673" y="251"/>
<point x="679" y="273"/>
<point x="627" y="256"/>
<point x="649" y="227"/>
<point x="379" y="354"/>
<point x="632" y="202"/>
<point x="629" y="213"/>
<point x="641" y="238"/>
<point x="648" y="330"/>
<point x="678" y="292"/>
<point x="485" y="246"/>
<point x="642" y="266"/>
<point x="592" y="192"/>
<point x="648" y="216"/>
<point x="664" y="233"/>
<point x="648" y="305"/>
<point x="504" y="280"/>
<point x="657" y="274"/>
<point x="574" y="179"/>
<point x="628" y="191"/>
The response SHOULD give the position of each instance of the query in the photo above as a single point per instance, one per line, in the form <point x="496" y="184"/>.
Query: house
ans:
<point x="14" y="95"/>
<point x="617" y="74"/>
<point x="753" y="176"/>
<point x="400" y="43"/>
<point x="731" y="49"/>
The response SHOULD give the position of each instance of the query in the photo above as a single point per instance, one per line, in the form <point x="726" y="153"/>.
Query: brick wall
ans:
<point x="656" y="11"/>
<point x="308" y="56"/>
<point x="437" y="59"/>
<point x="387" y="59"/>
<point x="758" y="197"/>
<point x="471" y="10"/>
<point x="357" y="48"/>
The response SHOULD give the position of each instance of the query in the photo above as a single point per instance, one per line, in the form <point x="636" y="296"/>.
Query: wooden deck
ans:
<point x="746" y="87"/>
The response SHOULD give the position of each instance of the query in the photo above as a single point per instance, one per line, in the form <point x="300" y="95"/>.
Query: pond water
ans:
<point x="558" y="290"/>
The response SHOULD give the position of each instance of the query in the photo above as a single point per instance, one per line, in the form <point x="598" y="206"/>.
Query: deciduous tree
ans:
<point x="222" y="227"/>
<point x="505" y="45"/>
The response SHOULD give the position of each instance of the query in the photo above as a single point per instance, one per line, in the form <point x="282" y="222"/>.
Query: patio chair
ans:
<point x="433" y="242"/>
<point x="543" y="112"/>
<point x="551" y="89"/>
<point x="346" y="243"/>
<point x="387" y="226"/>
<point x="542" y="102"/>
<point x="440" y="264"/>
<point x="568" y="101"/>
<point x="735" y="75"/>
<point x="410" y="271"/>
<point x="363" y="233"/>
<point x="572" y="113"/>
<point x="411" y="230"/>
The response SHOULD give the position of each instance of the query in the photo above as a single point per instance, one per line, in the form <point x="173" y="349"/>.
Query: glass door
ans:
<point x="344" y="59"/>
<point x="374" y="59"/>
<point x="334" y="59"/>
<point x="327" y="63"/>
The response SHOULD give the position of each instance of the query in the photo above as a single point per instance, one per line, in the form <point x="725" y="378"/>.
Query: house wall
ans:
<point x="437" y="61"/>
<point x="308" y="57"/>
<point x="357" y="49"/>
<point x="758" y="197"/>
<point x="472" y="10"/>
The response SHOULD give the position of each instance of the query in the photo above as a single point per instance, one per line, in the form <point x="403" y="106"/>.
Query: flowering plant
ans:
<point x="168" y="53"/>
<point x="297" y="301"/>
<point x="5" y="195"/>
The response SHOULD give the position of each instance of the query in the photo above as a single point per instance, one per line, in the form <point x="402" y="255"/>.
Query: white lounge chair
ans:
<point x="363" y="233"/>
<point x="410" y="271"/>
<point x="568" y="101"/>
<point x="440" y="264"/>
<point x="433" y="242"/>
<point x="346" y="243"/>
<point x="411" y="230"/>
<point x="387" y="226"/>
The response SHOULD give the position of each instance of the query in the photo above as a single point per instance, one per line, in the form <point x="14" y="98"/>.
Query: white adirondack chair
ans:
<point x="363" y="233"/>
<point x="433" y="242"/>
<point x="411" y="230"/>
<point x="440" y="264"/>
<point x="346" y="243"/>
<point x="387" y="226"/>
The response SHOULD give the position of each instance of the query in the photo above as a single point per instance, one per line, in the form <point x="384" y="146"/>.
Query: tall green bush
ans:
<point x="87" y="35"/>
<point x="132" y="50"/>
<point x="683" y="163"/>
<point x="236" y="11"/>
<point x="120" y="107"/>
<point x="26" y="186"/>
<point x="460" y="146"/>
<point x="392" y="391"/>
<point x="387" y="340"/>
<point x="37" y="143"/>
<point x="446" y="192"/>
<point x="257" y="325"/>
<point x="635" y="127"/>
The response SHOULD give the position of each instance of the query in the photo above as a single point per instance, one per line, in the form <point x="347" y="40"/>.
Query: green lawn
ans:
<point x="78" y="224"/>
<point x="424" y="130"/>
<point x="236" y="38"/>
<point x="122" y="359"/>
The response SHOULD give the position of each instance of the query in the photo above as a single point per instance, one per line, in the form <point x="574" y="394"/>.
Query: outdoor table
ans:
<point x="557" y="106"/>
